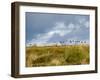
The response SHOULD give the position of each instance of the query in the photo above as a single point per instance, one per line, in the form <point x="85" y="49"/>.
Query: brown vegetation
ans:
<point x="57" y="55"/>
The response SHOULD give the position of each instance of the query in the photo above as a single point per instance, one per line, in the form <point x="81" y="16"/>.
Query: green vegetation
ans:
<point x="57" y="55"/>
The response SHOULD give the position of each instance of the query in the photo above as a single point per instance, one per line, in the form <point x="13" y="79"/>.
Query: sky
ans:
<point x="52" y="27"/>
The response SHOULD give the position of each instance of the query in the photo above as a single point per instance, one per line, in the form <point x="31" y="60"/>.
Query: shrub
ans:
<point x="74" y="55"/>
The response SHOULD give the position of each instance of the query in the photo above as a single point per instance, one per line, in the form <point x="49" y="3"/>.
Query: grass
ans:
<point x="57" y="55"/>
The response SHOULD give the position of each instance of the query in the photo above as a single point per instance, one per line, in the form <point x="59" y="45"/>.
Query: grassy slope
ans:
<point x="57" y="55"/>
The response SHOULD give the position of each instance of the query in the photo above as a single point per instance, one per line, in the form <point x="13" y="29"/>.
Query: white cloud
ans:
<point x="71" y="26"/>
<point x="59" y="28"/>
<point x="62" y="29"/>
<point x="81" y="20"/>
<point x="59" y="25"/>
<point x="87" y="24"/>
<point x="84" y="22"/>
<point x="41" y="38"/>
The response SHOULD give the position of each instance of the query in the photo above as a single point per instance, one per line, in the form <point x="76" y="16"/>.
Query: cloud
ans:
<point x="83" y="21"/>
<point x="41" y="38"/>
<point x="60" y="29"/>
<point x="46" y="28"/>
<point x="71" y="26"/>
<point x="87" y="24"/>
